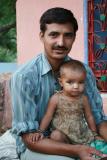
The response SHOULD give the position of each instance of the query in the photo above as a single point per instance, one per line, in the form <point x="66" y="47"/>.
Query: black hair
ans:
<point x="58" y="15"/>
<point x="74" y="65"/>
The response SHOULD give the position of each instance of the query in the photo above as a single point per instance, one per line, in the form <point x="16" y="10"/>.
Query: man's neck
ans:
<point x="55" y="64"/>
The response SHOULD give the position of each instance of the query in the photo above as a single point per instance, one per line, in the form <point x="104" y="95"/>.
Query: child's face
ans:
<point x="73" y="83"/>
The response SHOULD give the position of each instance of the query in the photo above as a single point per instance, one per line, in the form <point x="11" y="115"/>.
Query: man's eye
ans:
<point x="69" y="35"/>
<point x="53" y="34"/>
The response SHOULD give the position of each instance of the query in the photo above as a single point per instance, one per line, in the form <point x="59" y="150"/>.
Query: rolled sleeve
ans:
<point x="24" y="107"/>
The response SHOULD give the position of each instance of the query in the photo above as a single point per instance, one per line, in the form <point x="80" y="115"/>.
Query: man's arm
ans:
<point x="94" y="97"/>
<point x="23" y="105"/>
<point x="49" y="146"/>
<point x="96" y="103"/>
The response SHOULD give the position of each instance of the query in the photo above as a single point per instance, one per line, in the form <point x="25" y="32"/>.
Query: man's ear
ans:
<point x="41" y="35"/>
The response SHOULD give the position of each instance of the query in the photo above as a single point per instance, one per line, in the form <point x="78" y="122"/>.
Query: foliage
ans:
<point x="8" y="31"/>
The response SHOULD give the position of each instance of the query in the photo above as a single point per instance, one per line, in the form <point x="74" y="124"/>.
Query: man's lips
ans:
<point x="59" y="50"/>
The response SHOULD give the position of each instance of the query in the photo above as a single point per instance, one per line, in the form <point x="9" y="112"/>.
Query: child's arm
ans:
<point x="52" y="104"/>
<point x="89" y="117"/>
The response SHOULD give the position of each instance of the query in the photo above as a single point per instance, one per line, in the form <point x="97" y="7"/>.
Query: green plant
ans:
<point x="8" y="51"/>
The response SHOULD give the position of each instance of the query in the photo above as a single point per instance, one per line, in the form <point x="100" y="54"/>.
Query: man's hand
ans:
<point x="88" y="153"/>
<point x="36" y="136"/>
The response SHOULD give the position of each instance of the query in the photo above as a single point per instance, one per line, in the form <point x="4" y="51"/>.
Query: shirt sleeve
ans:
<point x="94" y="97"/>
<point x="24" y="108"/>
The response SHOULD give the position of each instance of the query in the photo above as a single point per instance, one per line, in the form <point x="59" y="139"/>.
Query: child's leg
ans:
<point x="59" y="136"/>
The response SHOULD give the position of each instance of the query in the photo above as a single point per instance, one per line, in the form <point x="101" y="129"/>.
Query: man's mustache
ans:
<point x="60" y="48"/>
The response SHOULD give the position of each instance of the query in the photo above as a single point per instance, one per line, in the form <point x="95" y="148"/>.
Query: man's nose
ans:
<point x="61" y="41"/>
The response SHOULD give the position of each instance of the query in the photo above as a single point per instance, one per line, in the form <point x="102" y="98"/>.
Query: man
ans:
<point x="34" y="83"/>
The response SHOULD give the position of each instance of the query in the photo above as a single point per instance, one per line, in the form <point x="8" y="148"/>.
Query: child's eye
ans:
<point x="82" y="82"/>
<point x="69" y="82"/>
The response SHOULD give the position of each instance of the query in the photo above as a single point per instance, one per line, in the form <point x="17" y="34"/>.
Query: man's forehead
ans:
<point x="56" y="27"/>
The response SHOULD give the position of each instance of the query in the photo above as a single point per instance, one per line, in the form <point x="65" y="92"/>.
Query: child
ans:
<point x="69" y="111"/>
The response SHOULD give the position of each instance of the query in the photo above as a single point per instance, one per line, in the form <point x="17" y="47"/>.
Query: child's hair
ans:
<point x="72" y="64"/>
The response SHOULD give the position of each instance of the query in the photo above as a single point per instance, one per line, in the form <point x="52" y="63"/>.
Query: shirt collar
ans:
<point x="46" y="67"/>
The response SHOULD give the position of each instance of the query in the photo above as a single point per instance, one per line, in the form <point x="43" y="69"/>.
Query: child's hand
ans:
<point x="36" y="136"/>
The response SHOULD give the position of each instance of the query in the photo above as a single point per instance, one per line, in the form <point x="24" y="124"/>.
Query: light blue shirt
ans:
<point x="31" y="87"/>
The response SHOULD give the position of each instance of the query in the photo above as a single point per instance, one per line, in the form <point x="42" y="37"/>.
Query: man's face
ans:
<point x="57" y="40"/>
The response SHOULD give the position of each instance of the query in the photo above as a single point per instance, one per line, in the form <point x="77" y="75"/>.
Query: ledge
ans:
<point x="8" y="67"/>
<point x="104" y="95"/>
